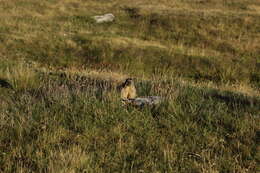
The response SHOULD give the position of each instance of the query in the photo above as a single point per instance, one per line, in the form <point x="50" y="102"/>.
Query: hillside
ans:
<point x="60" y="110"/>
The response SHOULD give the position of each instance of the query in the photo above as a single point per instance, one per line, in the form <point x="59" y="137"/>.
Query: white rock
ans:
<point x="104" y="18"/>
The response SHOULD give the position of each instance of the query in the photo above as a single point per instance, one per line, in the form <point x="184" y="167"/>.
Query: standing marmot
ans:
<point x="128" y="90"/>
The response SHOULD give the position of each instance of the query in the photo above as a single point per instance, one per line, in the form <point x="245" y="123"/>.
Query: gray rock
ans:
<point x="104" y="18"/>
<point x="142" y="101"/>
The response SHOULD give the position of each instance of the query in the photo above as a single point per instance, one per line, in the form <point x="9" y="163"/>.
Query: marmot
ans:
<point x="128" y="90"/>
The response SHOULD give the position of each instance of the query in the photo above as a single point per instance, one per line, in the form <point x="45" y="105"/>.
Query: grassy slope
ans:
<point x="211" y="40"/>
<point x="203" y="56"/>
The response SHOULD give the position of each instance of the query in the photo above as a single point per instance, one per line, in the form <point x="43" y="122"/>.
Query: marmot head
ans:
<point x="128" y="82"/>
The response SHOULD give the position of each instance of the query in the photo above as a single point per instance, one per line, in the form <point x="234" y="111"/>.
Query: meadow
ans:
<point x="63" y="112"/>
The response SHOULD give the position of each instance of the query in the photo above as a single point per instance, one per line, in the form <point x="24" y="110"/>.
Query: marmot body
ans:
<point x="128" y="90"/>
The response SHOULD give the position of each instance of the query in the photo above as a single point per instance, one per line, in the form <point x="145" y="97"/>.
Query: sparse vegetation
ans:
<point x="59" y="70"/>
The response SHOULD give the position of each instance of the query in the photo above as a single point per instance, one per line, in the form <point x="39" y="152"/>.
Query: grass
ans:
<point x="214" y="40"/>
<point x="75" y="123"/>
<point x="64" y="113"/>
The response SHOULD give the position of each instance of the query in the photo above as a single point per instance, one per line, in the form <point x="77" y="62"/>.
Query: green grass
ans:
<point x="65" y="115"/>
<point x="216" y="39"/>
<point x="66" y="126"/>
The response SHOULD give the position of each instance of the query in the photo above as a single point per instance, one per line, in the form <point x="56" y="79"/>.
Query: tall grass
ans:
<point x="67" y="125"/>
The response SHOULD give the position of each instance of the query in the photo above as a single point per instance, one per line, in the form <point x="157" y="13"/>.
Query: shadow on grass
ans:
<point x="98" y="87"/>
<point x="233" y="99"/>
<point x="5" y="84"/>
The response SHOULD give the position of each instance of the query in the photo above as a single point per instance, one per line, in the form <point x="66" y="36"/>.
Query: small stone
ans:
<point x="104" y="18"/>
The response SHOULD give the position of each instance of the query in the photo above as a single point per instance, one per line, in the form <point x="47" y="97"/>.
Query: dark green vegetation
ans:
<point x="59" y="108"/>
